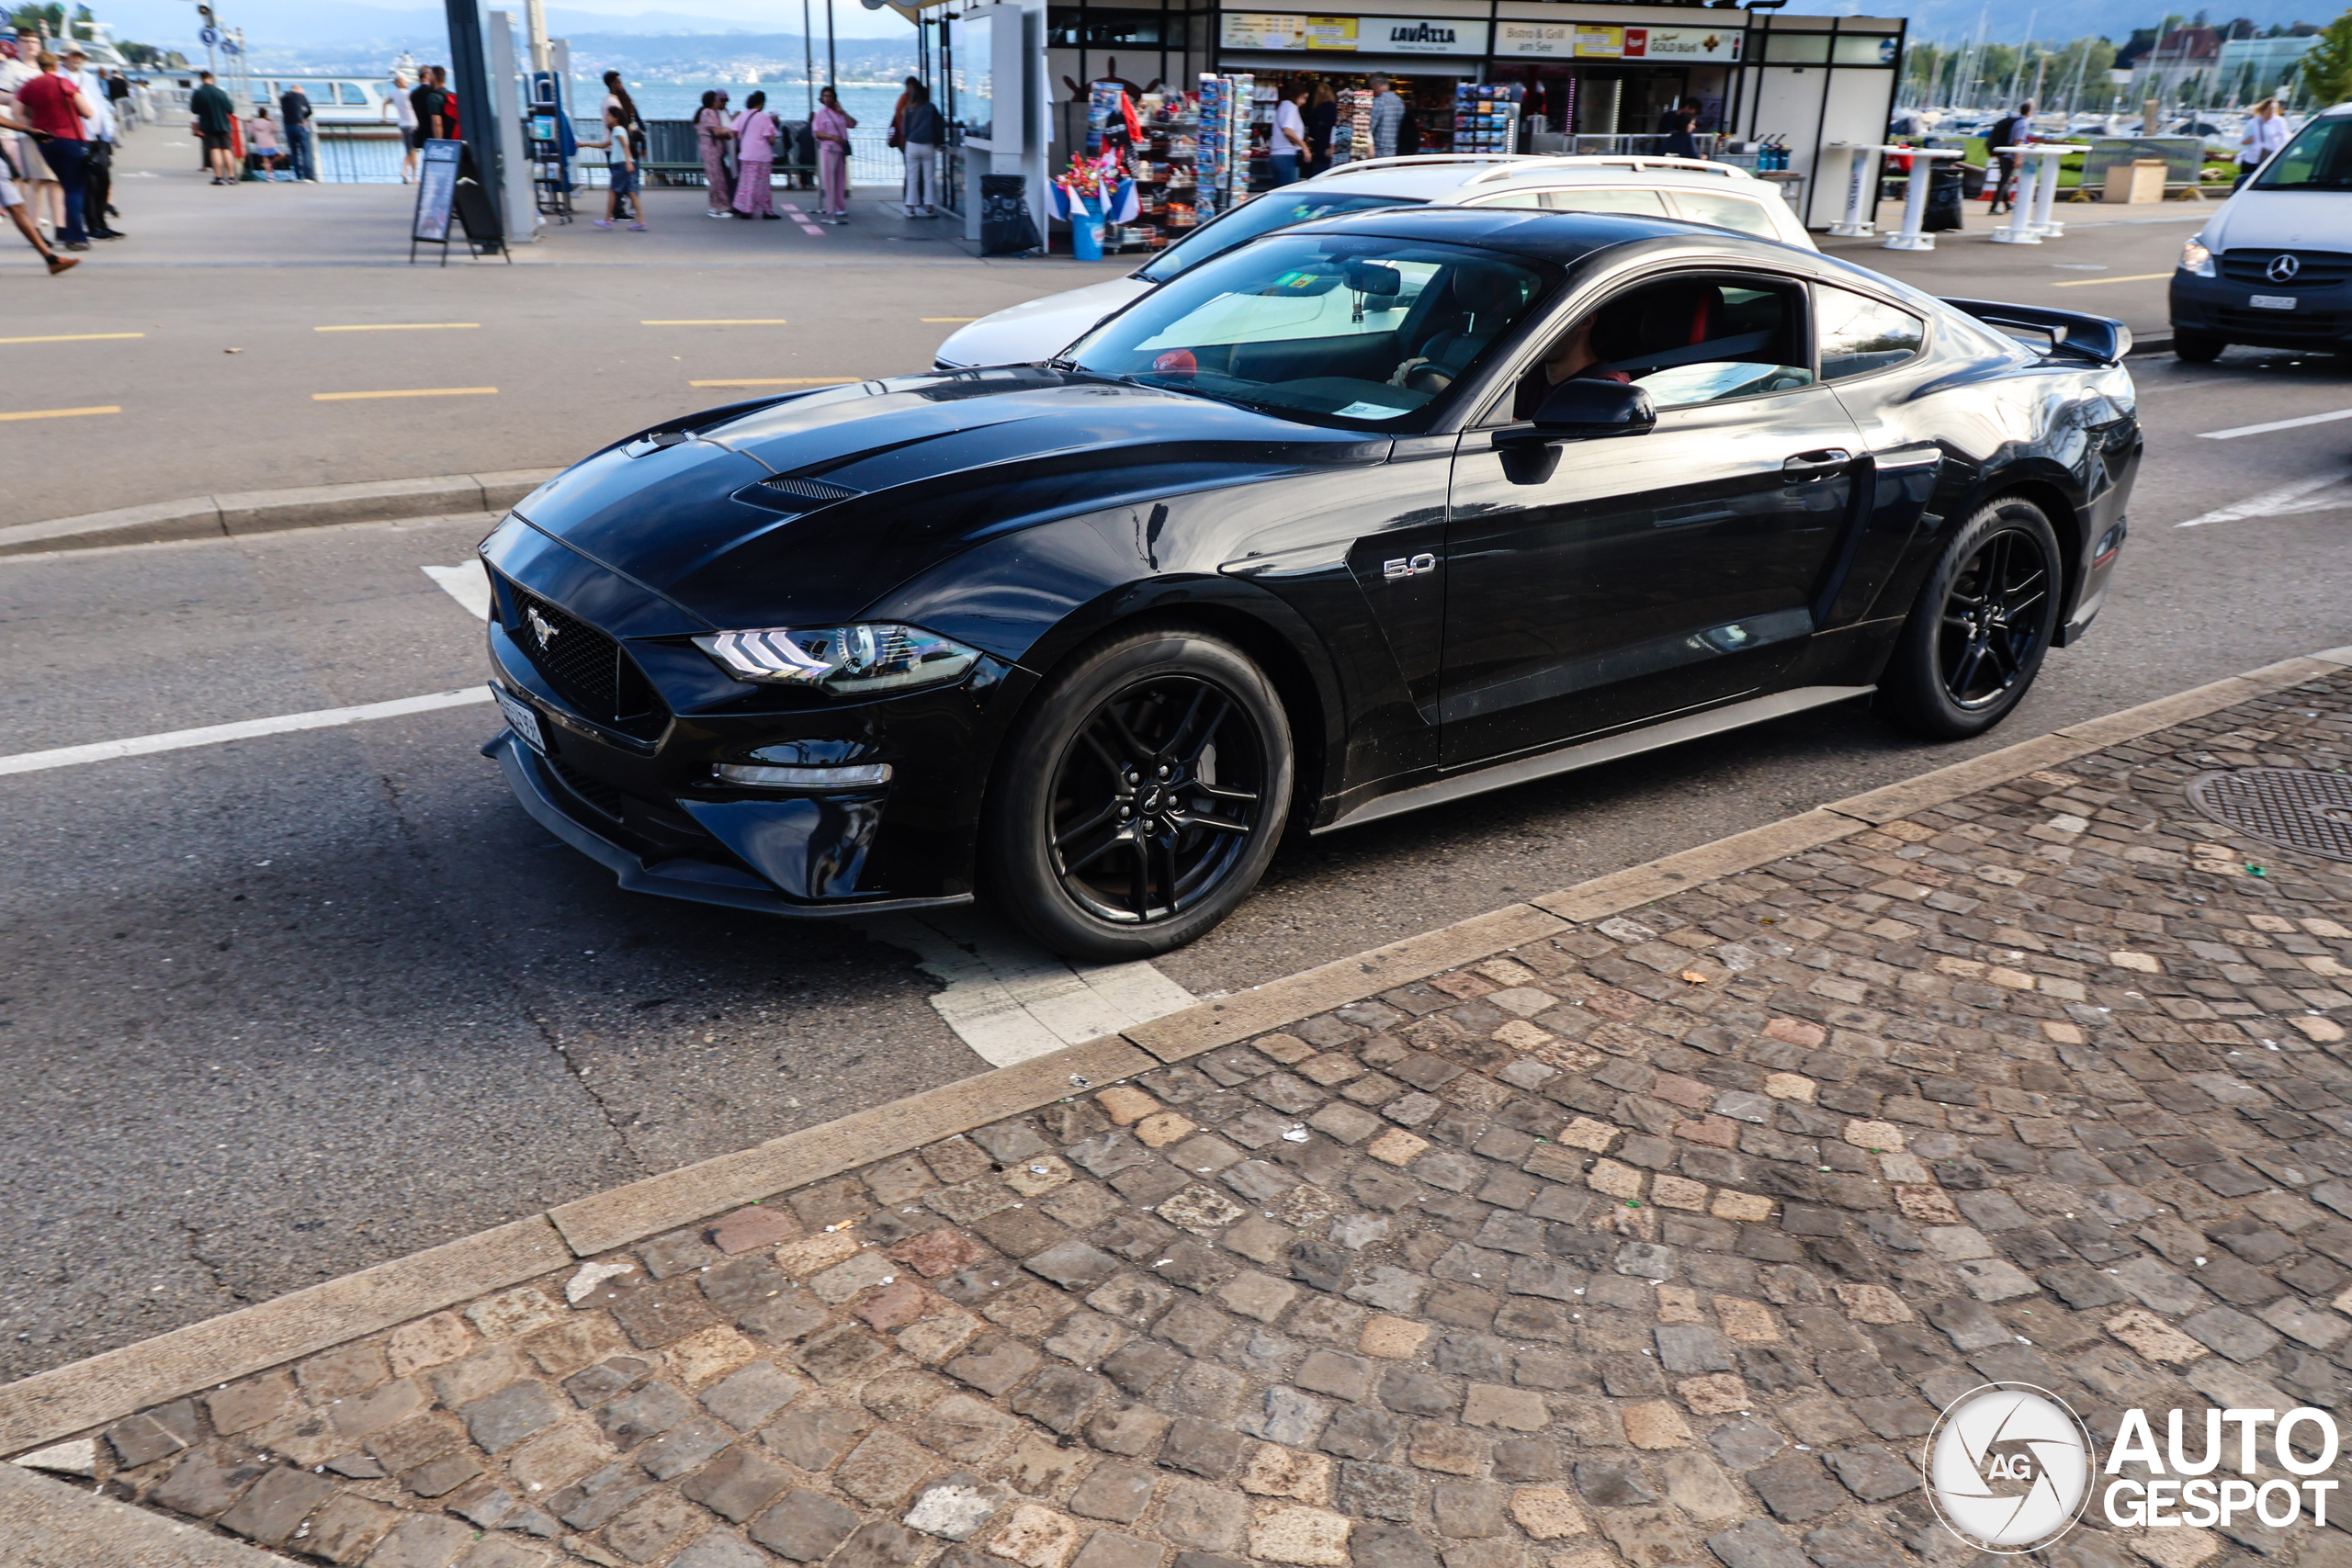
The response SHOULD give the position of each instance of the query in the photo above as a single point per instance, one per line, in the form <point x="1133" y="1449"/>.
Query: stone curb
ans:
<point x="270" y="511"/>
<point x="88" y="1394"/>
<point x="51" y="1523"/>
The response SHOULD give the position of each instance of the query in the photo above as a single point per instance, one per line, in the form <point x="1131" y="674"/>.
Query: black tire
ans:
<point x="2194" y="348"/>
<point x="1097" y="835"/>
<point x="1965" y="657"/>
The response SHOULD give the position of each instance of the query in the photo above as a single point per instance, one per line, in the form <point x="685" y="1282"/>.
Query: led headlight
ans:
<point x="2196" y="259"/>
<point x="842" y="661"/>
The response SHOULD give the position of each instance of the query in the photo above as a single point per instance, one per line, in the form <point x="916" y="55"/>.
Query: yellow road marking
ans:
<point x="398" y="327"/>
<point x="720" y="322"/>
<point x="73" y="337"/>
<point x="943" y="319"/>
<point x="780" y="381"/>
<point x="59" y="414"/>
<point x="413" y="393"/>
<point x="2135" y="277"/>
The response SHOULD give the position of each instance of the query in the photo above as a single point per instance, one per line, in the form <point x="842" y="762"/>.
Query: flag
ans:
<point x="1124" y="206"/>
<point x="1057" y="193"/>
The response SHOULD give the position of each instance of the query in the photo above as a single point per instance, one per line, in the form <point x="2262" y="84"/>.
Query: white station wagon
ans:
<point x="1686" y="189"/>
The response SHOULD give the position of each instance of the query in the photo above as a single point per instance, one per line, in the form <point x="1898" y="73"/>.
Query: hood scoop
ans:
<point x="786" y="494"/>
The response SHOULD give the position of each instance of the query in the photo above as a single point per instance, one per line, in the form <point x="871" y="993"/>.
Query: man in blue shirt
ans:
<point x="294" y="115"/>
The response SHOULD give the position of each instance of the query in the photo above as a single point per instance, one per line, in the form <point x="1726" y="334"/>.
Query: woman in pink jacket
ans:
<point x="831" y="126"/>
<point x="712" y="134"/>
<point x="755" y="159"/>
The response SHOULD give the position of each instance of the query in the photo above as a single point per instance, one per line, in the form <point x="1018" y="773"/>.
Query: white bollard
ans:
<point x="1915" y="198"/>
<point x="2045" y="192"/>
<point x="1856" y="227"/>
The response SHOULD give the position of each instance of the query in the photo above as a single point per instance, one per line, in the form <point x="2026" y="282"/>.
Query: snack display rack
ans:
<point x="1164" y="164"/>
<point x="1222" y="166"/>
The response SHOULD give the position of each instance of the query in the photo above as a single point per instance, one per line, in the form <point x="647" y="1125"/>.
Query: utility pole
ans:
<point x="808" y="57"/>
<point x="833" y="67"/>
<point x="534" y="29"/>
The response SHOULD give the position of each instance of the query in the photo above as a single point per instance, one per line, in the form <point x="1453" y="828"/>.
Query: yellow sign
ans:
<point x="1599" y="43"/>
<point x="1331" y="32"/>
<point x="1257" y="30"/>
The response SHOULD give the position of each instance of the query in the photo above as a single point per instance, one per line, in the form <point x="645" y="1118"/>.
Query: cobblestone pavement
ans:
<point x="1658" y="1242"/>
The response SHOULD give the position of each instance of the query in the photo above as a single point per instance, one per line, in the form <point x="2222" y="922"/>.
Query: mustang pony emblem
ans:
<point x="540" y="628"/>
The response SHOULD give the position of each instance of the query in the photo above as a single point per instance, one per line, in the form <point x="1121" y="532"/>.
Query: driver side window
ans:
<point x="1707" y="338"/>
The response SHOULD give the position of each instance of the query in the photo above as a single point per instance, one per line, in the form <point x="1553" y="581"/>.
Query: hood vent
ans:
<point x="784" y="494"/>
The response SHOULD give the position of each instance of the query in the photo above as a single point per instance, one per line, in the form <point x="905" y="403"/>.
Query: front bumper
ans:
<point x="2221" y="308"/>
<point x="642" y="868"/>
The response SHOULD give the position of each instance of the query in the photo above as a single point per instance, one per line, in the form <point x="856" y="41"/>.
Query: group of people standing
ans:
<point x="738" y="156"/>
<point x="739" y="153"/>
<point x="59" y="126"/>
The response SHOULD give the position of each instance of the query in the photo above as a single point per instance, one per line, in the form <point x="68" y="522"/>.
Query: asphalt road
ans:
<point x="284" y="1008"/>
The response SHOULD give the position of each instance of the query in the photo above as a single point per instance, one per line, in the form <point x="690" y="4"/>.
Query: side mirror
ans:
<point x="1588" y="406"/>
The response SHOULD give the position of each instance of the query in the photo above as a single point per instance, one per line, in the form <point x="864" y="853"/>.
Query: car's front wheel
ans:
<point x="2196" y="348"/>
<point x="1977" y="633"/>
<point x="1140" y="797"/>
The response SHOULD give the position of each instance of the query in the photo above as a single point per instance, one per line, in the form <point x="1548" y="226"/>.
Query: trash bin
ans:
<point x="1944" y="198"/>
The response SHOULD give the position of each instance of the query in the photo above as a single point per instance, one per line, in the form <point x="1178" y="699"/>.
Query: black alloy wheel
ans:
<point x="1977" y="633"/>
<point x="1157" y="799"/>
<point x="1140" y="797"/>
<point x="1993" y="619"/>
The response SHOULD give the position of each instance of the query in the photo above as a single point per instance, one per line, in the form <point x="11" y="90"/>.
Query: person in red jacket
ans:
<point x="15" y="204"/>
<point x="54" y="105"/>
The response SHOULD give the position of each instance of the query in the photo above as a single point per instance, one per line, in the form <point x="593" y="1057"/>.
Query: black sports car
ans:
<point x="1369" y="513"/>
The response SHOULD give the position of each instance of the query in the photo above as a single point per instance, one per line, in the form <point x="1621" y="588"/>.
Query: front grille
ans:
<point x="589" y="669"/>
<point x="2317" y="269"/>
<point x="2316" y="328"/>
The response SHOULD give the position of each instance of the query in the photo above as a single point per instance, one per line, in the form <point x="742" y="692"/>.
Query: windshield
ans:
<point x="1275" y="209"/>
<point x="2318" y="159"/>
<point x="1342" y="328"/>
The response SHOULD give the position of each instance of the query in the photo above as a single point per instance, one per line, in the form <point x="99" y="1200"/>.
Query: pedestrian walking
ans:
<point x="755" y="134"/>
<point x="119" y="98"/>
<point x="97" y="177"/>
<point x="1679" y="142"/>
<point x="617" y="103"/>
<point x="832" y="126"/>
<point x="294" y="115"/>
<point x="39" y="189"/>
<point x="922" y="129"/>
<point x="1388" y="119"/>
<point x="2265" y="133"/>
<point x="14" y="201"/>
<point x="439" y="76"/>
<point x="620" y="161"/>
<point x="713" y="132"/>
<point x="1290" y="134"/>
<point x="897" y="136"/>
<point x="53" y="104"/>
<point x="404" y="115"/>
<point x="2010" y="131"/>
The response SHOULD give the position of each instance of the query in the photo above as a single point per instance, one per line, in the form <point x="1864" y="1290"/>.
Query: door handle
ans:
<point x="1815" y="465"/>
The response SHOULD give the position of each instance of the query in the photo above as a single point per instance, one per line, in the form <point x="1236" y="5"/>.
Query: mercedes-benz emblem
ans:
<point x="540" y="628"/>
<point x="2283" y="268"/>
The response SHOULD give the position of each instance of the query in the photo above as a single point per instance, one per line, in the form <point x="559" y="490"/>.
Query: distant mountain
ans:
<point x="2055" y="21"/>
<point x="365" y="32"/>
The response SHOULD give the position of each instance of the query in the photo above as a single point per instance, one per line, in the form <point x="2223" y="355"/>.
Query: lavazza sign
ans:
<point x="2010" y="1467"/>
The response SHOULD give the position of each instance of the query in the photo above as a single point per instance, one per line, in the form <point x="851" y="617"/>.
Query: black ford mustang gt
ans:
<point x="1371" y="513"/>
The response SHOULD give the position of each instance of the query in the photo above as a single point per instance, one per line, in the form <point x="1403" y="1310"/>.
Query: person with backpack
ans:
<point x="2012" y="130"/>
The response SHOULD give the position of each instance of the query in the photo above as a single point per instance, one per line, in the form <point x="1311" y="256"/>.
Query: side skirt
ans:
<point x="1591" y="753"/>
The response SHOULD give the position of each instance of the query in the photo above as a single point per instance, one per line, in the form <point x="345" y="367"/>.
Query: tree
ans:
<point x="2326" y="72"/>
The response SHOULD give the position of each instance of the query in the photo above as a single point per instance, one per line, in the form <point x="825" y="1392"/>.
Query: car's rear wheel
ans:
<point x="1977" y="633"/>
<point x="1141" y="795"/>
<point x="2196" y="348"/>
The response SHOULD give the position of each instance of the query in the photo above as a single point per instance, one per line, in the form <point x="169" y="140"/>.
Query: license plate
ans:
<point x="521" y="720"/>
<point x="2272" y="301"/>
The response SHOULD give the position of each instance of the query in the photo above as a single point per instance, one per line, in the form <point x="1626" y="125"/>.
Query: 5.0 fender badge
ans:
<point x="1404" y="567"/>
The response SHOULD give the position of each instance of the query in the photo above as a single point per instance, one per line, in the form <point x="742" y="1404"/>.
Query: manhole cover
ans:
<point x="2287" y="806"/>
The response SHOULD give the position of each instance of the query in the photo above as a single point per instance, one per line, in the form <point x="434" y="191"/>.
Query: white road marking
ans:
<point x="245" y="729"/>
<point x="2303" y="495"/>
<point x="2274" y="424"/>
<point x="1011" y="1000"/>
<point x="466" y="582"/>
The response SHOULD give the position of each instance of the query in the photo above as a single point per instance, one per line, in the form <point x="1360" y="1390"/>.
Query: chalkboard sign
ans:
<point x="437" y="189"/>
<point x="448" y="184"/>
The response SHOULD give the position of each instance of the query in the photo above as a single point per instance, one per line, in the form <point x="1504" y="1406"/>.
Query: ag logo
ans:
<point x="2009" y="1467"/>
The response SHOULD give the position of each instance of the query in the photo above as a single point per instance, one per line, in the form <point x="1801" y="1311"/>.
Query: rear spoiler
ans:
<point x="2100" y="339"/>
